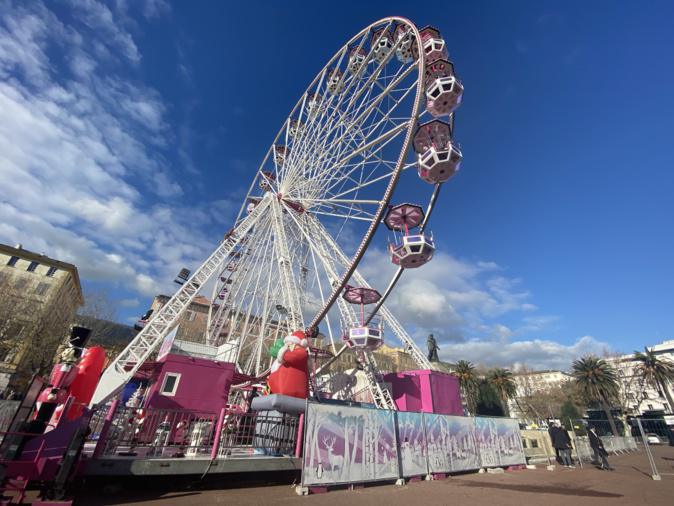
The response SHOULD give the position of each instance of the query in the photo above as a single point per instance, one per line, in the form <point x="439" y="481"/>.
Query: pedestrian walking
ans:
<point x="600" y="453"/>
<point x="562" y="443"/>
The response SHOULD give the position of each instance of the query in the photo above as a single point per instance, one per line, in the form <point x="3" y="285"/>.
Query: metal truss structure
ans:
<point x="310" y="214"/>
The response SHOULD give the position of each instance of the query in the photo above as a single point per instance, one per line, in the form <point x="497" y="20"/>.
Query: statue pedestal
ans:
<point x="427" y="391"/>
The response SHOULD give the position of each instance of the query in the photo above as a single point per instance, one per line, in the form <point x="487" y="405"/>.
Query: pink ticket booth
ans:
<point x="427" y="391"/>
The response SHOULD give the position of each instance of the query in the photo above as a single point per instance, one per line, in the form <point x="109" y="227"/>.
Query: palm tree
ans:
<point x="656" y="372"/>
<point x="465" y="372"/>
<point x="502" y="381"/>
<point x="488" y="402"/>
<point x="596" y="381"/>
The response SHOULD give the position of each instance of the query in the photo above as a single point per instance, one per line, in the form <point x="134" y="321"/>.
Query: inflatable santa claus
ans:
<point x="290" y="371"/>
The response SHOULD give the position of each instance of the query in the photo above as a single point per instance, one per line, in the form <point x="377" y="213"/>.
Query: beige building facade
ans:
<point x="39" y="296"/>
<point x="636" y="397"/>
<point x="530" y="383"/>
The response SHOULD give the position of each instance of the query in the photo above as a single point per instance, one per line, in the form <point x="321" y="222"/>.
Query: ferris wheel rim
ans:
<point x="322" y="72"/>
<point x="410" y="124"/>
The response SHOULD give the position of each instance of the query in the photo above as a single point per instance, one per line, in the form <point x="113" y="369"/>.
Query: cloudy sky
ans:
<point x="128" y="131"/>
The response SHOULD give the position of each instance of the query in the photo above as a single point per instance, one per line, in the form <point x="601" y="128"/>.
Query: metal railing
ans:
<point x="258" y="434"/>
<point x="165" y="433"/>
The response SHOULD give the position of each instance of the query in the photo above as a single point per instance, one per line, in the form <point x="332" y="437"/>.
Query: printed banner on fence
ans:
<point x="412" y="441"/>
<point x="346" y="445"/>
<point x="451" y="443"/>
<point x="499" y="441"/>
<point x="463" y="445"/>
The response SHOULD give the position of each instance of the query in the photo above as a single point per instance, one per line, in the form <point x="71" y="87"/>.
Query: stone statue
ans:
<point x="432" y="349"/>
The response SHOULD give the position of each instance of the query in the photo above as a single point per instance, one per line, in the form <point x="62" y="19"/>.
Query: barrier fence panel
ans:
<point x="413" y="449"/>
<point x="348" y="445"/>
<point x="464" y="452"/>
<point x="499" y="441"/>
<point x="437" y="440"/>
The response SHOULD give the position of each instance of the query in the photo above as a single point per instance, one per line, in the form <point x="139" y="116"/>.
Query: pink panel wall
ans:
<point x="427" y="391"/>
<point x="203" y="385"/>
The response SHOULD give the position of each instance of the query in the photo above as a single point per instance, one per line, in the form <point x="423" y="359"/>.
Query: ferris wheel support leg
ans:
<point x="127" y="363"/>
<point x="379" y="390"/>
<point x="291" y="299"/>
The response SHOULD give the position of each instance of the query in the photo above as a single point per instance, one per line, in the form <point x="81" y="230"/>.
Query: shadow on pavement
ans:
<point x="113" y="490"/>
<point x="542" y="489"/>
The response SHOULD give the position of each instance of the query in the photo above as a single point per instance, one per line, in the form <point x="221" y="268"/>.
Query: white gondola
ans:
<point x="413" y="251"/>
<point x="433" y="45"/>
<point x="444" y="92"/>
<point x="356" y="59"/>
<point x="335" y="83"/>
<point x="369" y="337"/>
<point x="382" y="43"/>
<point x="406" y="50"/>
<point x="438" y="157"/>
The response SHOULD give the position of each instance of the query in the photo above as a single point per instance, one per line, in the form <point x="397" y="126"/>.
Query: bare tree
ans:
<point x="30" y="332"/>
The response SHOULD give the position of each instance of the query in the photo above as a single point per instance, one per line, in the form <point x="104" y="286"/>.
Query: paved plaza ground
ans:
<point x="629" y="484"/>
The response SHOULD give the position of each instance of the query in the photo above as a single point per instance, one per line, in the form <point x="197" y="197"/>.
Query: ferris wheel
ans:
<point x="371" y="133"/>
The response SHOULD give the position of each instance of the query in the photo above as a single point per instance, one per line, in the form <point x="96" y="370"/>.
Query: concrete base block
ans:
<point x="495" y="470"/>
<point x="550" y="468"/>
<point x="300" y="490"/>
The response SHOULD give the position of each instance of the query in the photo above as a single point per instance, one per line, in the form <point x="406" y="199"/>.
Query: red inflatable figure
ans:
<point x="290" y="372"/>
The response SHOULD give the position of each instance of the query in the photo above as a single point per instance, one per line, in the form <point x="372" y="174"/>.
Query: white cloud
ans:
<point x="453" y="298"/>
<point x="129" y="302"/>
<point x="475" y="310"/>
<point x="86" y="151"/>
<point x="534" y="353"/>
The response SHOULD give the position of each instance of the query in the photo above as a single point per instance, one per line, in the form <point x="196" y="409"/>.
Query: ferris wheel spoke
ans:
<point x="376" y="100"/>
<point x="382" y="137"/>
<point x="244" y="278"/>
<point x="331" y="175"/>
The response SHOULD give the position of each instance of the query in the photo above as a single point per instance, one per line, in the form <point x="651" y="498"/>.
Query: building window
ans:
<point x="32" y="266"/>
<point x="41" y="288"/>
<point x="190" y="315"/>
<point x="20" y="283"/>
<point x="51" y="271"/>
<point x="650" y="407"/>
<point x="12" y="261"/>
<point x="170" y="385"/>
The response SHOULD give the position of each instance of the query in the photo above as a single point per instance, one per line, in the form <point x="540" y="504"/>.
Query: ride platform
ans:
<point x="121" y="466"/>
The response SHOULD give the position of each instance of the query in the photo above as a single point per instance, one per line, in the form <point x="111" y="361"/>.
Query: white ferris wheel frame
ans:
<point x="302" y="177"/>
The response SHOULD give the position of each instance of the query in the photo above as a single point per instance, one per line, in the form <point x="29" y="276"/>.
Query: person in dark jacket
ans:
<point x="562" y="443"/>
<point x="552" y="431"/>
<point x="597" y="446"/>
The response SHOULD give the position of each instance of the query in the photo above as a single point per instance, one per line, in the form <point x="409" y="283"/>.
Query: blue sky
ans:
<point x="128" y="131"/>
